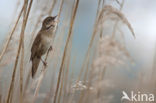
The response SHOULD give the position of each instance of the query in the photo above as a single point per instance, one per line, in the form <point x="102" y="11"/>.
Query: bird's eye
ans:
<point x="49" y="20"/>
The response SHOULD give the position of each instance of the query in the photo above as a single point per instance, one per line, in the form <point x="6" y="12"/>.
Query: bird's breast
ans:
<point x="45" y="44"/>
<point x="46" y="39"/>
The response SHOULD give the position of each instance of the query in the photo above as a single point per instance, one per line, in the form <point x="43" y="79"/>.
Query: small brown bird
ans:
<point x="42" y="42"/>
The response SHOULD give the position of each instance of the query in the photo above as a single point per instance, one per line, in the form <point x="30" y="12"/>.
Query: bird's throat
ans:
<point x="51" y="26"/>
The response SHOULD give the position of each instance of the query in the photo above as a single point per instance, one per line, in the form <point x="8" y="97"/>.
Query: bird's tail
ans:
<point x="35" y="64"/>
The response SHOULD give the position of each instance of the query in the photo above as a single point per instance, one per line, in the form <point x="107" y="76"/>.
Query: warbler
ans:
<point x="42" y="42"/>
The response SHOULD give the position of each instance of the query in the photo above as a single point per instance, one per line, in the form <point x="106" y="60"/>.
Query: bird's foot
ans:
<point x="44" y="63"/>
<point x="51" y="48"/>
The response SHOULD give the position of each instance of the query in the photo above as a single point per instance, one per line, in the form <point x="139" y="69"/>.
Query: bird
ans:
<point x="42" y="42"/>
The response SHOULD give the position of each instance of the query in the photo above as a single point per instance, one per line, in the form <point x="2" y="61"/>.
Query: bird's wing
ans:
<point x="35" y="64"/>
<point x="35" y="46"/>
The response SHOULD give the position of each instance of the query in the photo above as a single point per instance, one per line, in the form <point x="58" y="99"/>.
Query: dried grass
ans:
<point x="90" y="86"/>
<point x="26" y="14"/>
<point x="65" y="50"/>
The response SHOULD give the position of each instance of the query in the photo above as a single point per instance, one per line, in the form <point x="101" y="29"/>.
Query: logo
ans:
<point x="137" y="97"/>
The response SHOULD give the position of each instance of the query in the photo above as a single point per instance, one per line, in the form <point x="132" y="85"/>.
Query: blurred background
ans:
<point x="140" y="14"/>
<point x="142" y="49"/>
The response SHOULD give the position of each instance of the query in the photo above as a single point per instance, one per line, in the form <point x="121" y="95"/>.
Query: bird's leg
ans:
<point x="44" y="63"/>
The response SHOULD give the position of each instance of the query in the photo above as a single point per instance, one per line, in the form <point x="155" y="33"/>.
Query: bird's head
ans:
<point x="50" y="22"/>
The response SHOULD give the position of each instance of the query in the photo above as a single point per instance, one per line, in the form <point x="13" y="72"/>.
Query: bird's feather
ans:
<point x="35" y="64"/>
<point x="42" y="42"/>
<point x="35" y="46"/>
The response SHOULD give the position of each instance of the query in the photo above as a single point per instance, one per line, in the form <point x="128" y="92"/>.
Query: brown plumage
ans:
<point x="42" y="42"/>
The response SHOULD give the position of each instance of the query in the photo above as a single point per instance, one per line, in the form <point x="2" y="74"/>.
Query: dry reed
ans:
<point x="11" y="34"/>
<point x="104" y="51"/>
<point x="65" y="50"/>
<point x="26" y="14"/>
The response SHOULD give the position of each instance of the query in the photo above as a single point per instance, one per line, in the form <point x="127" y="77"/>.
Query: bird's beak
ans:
<point x="56" y="18"/>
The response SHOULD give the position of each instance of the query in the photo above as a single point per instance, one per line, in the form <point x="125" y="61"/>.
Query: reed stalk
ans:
<point x="11" y="34"/>
<point x="26" y="14"/>
<point x="65" y="50"/>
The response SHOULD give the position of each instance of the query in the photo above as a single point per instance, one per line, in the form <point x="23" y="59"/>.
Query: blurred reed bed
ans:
<point x="56" y="83"/>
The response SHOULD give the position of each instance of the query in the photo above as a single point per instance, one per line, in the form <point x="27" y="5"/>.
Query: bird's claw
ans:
<point x="45" y="63"/>
<point x="51" y="48"/>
